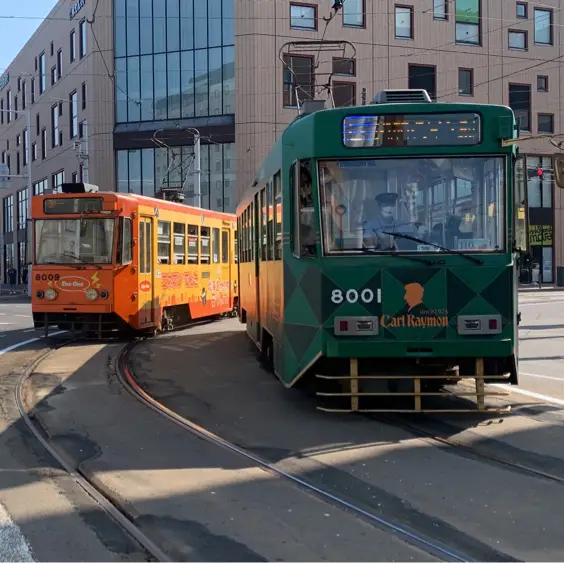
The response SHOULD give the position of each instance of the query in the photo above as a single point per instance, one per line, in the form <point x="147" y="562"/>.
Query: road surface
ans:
<point x="44" y="517"/>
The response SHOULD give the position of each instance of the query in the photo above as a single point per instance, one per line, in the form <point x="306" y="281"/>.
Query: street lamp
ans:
<point x="29" y="239"/>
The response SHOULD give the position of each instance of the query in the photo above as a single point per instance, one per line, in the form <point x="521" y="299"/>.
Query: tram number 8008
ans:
<point x="47" y="277"/>
<point x="352" y="296"/>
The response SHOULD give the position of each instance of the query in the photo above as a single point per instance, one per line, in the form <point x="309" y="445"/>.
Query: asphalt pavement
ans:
<point x="27" y="534"/>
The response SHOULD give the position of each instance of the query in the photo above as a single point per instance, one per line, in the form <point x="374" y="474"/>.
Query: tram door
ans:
<point x="146" y="282"/>
<point x="226" y="290"/>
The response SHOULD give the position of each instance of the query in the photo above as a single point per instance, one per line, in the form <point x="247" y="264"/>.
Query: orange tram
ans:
<point x="107" y="262"/>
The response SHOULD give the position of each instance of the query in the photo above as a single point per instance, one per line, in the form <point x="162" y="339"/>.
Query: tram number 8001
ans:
<point x="47" y="277"/>
<point x="352" y="296"/>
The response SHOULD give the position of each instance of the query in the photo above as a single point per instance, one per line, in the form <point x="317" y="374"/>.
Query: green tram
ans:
<point x="376" y="254"/>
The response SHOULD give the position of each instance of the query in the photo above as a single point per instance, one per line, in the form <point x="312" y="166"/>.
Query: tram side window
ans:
<point x="225" y="247"/>
<point x="262" y="220"/>
<point x="305" y="220"/>
<point x="124" y="251"/>
<point x="142" y="253"/>
<point x="236" y="247"/>
<point x="163" y="250"/>
<point x="192" y="244"/>
<point x="278" y="216"/>
<point x="179" y="246"/>
<point x="215" y="246"/>
<point x="269" y="222"/>
<point x="253" y="236"/>
<point x="205" y="245"/>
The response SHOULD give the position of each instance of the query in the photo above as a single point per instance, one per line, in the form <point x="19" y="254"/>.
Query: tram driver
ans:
<point x="381" y="219"/>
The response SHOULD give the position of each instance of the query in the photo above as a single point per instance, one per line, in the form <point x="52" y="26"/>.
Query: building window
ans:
<point x="21" y="198"/>
<point x="73" y="112"/>
<point x="74" y="177"/>
<point x="404" y="22"/>
<point x="542" y="83"/>
<point x="468" y="22"/>
<point x="24" y="148"/>
<point x="32" y="85"/>
<point x="18" y="140"/>
<point x="84" y="95"/>
<point x="543" y="26"/>
<point x="43" y="144"/>
<point x="521" y="10"/>
<point x="344" y="67"/>
<point x="9" y="106"/>
<point x="466" y="81"/>
<point x="18" y="169"/>
<point x="545" y="123"/>
<point x="59" y="64"/>
<point x="520" y="103"/>
<point x="354" y="13"/>
<point x="344" y="94"/>
<point x="8" y="214"/>
<point x="517" y="40"/>
<point x="55" y="126"/>
<point x="423" y="77"/>
<point x="72" y="51"/>
<point x="82" y="38"/>
<point x="37" y="124"/>
<point x="1" y="112"/>
<point x="440" y="10"/>
<point x="57" y="180"/>
<point x="39" y="188"/>
<point x="298" y="80"/>
<point x="24" y="94"/>
<point x="303" y="16"/>
<point x="52" y="48"/>
<point x="82" y="129"/>
<point x="53" y="76"/>
<point x="33" y="152"/>
<point x="42" y="74"/>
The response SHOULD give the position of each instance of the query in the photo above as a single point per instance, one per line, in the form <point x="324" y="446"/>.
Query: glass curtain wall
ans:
<point x="145" y="171"/>
<point x="174" y="59"/>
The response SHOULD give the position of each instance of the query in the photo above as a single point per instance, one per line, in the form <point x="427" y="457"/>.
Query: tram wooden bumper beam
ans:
<point x="354" y="378"/>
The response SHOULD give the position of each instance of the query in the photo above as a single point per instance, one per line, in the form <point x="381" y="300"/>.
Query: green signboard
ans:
<point x="468" y="11"/>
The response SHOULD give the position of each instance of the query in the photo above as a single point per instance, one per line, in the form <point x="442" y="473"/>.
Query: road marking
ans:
<point x="536" y="303"/>
<point x="13" y="545"/>
<point x="541" y="376"/>
<point x="26" y="316"/>
<point x="24" y="343"/>
<point x="6" y="323"/>
<point x="30" y="330"/>
<point x="546" y="398"/>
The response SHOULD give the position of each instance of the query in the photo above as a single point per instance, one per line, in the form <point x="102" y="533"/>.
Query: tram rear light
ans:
<point x="39" y="294"/>
<point x="343" y="326"/>
<point x="104" y="294"/>
<point x="493" y="324"/>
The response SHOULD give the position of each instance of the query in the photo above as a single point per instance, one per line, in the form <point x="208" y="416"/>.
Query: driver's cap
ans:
<point x="387" y="198"/>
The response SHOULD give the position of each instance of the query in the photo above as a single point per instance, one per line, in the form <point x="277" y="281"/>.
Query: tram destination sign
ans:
<point x="76" y="7"/>
<point x="410" y="130"/>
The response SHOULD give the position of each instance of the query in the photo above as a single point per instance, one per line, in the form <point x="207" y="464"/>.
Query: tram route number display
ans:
<point x="352" y="296"/>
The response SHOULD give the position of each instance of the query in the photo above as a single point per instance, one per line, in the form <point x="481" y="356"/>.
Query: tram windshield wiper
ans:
<point x="81" y="260"/>
<point x="414" y="258"/>
<point x="443" y="248"/>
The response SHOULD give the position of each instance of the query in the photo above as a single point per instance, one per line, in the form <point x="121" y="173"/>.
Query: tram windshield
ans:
<point x="74" y="241"/>
<point x="376" y="204"/>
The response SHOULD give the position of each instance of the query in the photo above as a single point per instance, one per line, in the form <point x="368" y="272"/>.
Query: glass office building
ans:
<point x="175" y="71"/>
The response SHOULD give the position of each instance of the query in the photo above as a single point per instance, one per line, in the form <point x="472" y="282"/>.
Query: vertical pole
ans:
<point x="197" y="170"/>
<point x="28" y="223"/>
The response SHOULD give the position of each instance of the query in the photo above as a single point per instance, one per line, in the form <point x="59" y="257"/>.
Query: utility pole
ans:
<point x="29" y="223"/>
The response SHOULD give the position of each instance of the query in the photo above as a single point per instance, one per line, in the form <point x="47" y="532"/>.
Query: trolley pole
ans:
<point x="197" y="168"/>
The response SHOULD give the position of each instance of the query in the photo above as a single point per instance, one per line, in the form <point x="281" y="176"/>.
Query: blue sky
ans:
<point x="14" y="33"/>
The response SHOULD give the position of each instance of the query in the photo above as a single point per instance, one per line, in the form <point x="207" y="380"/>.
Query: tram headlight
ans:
<point x="91" y="294"/>
<point x="39" y="294"/>
<point x="104" y="294"/>
<point x="50" y="294"/>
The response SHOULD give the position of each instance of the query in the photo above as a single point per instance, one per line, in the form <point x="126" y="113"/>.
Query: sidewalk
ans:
<point x="532" y="287"/>
<point x="21" y="292"/>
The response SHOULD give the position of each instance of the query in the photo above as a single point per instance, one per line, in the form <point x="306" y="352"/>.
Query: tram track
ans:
<point x="430" y="545"/>
<point x="122" y="518"/>
<point x="111" y="507"/>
